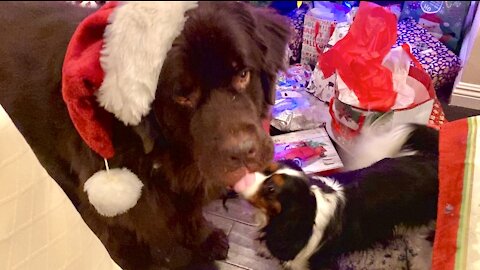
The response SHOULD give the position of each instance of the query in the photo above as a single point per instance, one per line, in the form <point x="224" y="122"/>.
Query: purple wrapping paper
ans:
<point x="440" y="63"/>
<point x="297" y="17"/>
<point x="444" y="19"/>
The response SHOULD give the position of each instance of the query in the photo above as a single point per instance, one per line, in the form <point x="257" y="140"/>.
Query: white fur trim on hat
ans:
<point x="113" y="192"/>
<point x="136" y="43"/>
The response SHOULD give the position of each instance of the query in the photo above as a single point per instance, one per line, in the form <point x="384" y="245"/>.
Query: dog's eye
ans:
<point x="190" y="100"/>
<point x="241" y="80"/>
<point x="183" y="101"/>
<point x="269" y="187"/>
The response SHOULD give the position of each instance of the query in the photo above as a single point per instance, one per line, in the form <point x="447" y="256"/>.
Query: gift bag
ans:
<point x="316" y="33"/>
<point x="318" y="27"/>
<point x="376" y="85"/>
<point x="348" y="121"/>
<point x="324" y="87"/>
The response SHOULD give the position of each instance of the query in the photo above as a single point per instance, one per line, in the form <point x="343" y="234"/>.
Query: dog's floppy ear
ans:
<point x="272" y="35"/>
<point x="148" y="132"/>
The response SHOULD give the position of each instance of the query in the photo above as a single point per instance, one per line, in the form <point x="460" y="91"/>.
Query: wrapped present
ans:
<point x="318" y="27"/>
<point x="376" y="85"/>
<point x="440" y="63"/>
<point x="442" y="19"/>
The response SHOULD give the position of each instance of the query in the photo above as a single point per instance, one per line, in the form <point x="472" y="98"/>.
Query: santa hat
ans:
<point x="111" y="69"/>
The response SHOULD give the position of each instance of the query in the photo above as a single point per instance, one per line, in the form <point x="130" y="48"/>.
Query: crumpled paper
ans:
<point x="296" y="77"/>
<point x="295" y="109"/>
<point x="298" y="110"/>
<point x="398" y="61"/>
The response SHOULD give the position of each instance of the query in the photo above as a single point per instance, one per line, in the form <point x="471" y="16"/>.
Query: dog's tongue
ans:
<point x="244" y="182"/>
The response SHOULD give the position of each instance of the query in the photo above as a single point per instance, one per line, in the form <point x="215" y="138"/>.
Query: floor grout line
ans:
<point x="231" y="218"/>
<point x="237" y="265"/>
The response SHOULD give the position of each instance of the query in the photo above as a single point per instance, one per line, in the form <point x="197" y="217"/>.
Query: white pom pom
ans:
<point x="113" y="192"/>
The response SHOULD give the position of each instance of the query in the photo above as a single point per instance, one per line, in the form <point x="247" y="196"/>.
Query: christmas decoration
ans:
<point x="111" y="69"/>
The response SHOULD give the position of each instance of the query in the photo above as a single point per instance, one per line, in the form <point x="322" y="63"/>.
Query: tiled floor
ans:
<point x="239" y="224"/>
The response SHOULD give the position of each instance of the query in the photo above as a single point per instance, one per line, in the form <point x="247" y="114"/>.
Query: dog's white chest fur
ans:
<point x="326" y="205"/>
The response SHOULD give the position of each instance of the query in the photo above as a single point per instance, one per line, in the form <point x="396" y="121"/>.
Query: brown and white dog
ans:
<point x="204" y="132"/>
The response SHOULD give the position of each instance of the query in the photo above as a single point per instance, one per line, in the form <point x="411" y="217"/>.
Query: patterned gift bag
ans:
<point x="316" y="34"/>
<point x="321" y="87"/>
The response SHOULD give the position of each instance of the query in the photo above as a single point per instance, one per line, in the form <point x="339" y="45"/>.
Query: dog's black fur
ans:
<point x="187" y="164"/>
<point x="391" y="192"/>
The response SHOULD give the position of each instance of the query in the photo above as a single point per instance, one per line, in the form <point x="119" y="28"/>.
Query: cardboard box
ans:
<point x="310" y="149"/>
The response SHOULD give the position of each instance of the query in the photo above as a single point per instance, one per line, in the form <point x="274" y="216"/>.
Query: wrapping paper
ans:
<point x="296" y="77"/>
<point x="457" y="238"/>
<point x="295" y="109"/>
<point x="442" y="19"/>
<point x="398" y="61"/>
<point x="298" y="110"/>
<point x="440" y="63"/>
<point x="297" y="18"/>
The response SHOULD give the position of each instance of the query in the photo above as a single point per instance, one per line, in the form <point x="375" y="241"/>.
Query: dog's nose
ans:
<point x="242" y="147"/>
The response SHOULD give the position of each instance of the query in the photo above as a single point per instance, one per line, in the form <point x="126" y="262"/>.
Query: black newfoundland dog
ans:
<point x="204" y="131"/>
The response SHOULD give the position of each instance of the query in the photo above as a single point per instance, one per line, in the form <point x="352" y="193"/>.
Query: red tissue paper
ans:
<point x="358" y="57"/>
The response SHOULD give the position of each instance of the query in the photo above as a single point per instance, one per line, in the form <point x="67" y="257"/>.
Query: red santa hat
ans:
<point x="111" y="69"/>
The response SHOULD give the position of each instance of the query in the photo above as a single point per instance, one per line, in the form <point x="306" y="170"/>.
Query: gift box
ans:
<point x="440" y="63"/>
<point x="443" y="19"/>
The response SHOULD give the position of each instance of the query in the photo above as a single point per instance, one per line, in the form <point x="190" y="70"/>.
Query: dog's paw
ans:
<point x="175" y="258"/>
<point x="215" y="246"/>
<point x="263" y="252"/>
